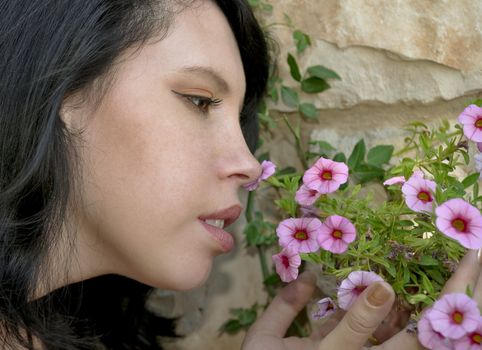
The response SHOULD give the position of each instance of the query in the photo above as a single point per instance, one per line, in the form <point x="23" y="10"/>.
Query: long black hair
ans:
<point x="51" y="49"/>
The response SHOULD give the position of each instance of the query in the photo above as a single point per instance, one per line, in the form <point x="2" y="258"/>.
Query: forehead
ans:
<point x="200" y="36"/>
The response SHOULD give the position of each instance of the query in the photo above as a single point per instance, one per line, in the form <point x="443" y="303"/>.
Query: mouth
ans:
<point x="223" y="218"/>
<point x="215" y="223"/>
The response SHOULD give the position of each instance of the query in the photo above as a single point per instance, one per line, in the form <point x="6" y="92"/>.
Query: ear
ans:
<point x="73" y="112"/>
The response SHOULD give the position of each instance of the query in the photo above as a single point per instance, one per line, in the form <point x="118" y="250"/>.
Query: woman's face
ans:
<point x="161" y="154"/>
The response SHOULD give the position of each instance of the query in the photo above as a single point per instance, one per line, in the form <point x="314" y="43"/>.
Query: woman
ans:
<point x="122" y="151"/>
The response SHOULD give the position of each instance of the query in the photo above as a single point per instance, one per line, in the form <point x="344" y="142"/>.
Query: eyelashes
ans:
<point x="201" y="103"/>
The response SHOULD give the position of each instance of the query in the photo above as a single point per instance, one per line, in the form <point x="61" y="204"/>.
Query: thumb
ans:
<point x="362" y="319"/>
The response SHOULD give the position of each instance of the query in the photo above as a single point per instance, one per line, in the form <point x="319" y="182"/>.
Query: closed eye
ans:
<point x="202" y="103"/>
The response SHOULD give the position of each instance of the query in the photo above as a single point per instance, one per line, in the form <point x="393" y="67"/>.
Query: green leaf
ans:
<point x="314" y="85"/>
<point x="418" y="124"/>
<point x="340" y="157"/>
<point x="379" y="155"/>
<point x="322" y="73"/>
<point x="427" y="260"/>
<point x="246" y="317"/>
<point x="469" y="291"/>
<point x="267" y="121"/>
<point x="426" y="284"/>
<point x="273" y="93"/>
<point x="253" y="235"/>
<point x="273" y="181"/>
<point x="231" y="327"/>
<point x="302" y="40"/>
<point x="356" y="189"/>
<point x="470" y="180"/>
<point x="309" y="110"/>
<point x="367" y="172"/>
<point x="436" y="276"/>
<point x="287" y="205"/>
<point x="466" y="157"/>
<point x="323" y="145"/>
<point x="392" y="271"/>
<point x="419" y="298"/>
<point x="267" y="7"/>
<point x="272" y="280"/>
<point x="311" y="257"/>
<point x="477" y="102"/>
<point x="292" y="183"/>
<point x="289" y="96"/>
<point x="357" y="155"/>
<point x="294" y="69"/>
<point x="405" y="223"/>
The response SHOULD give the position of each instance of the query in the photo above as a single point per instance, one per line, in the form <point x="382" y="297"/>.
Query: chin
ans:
<point x="187" y="278"/>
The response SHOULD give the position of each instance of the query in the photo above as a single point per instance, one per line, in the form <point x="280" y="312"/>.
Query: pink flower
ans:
<point x="419" y="193"/>
<point x="299" y="234"/>
<point x="401" y="179"/>
<point x="479" y="146"/>
<point x="429" y="337"/>
<point x="418" y="173"/>
<point x="326" y="307"/>
<point x="470" y="341"/>
<point x="286" y="264"/>
<point x="326" y="176"/>
<point x="306" y="196"/>
<point x="394" y="180"/>
<point x="454" y="315"/>
<point x="352" y="286"/>
<point x="461" y="221"/>
<point x="336" y="233"/>
<point x="268" y="169"/>
<point x="471" y="119"/>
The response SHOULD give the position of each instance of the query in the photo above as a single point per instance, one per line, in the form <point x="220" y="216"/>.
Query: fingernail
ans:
<point x="379" y="295"/>
<point x="479" y="256"/>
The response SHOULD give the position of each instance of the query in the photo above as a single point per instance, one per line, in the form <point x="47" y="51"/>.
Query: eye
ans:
<point x="200" y="102"/>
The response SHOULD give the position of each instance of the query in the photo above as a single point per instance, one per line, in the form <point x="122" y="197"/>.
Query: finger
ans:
<point x="362" y="319"/>
<point x="322" y="328"/>
<point x="402" y="341"/>
<point x="478" y="284"/>
<point x="285" y="306"/>
<point x="466" y="274"/>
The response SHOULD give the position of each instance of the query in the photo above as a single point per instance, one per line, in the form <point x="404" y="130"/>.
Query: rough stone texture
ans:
<point x="405" y="51"/>
<point x="399" y="60"/>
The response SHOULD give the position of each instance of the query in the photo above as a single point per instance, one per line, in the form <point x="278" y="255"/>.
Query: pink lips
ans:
<point x="229" y="216"/>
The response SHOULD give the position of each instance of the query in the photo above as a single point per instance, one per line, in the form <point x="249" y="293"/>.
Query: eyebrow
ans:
<point x="207" y="72"/>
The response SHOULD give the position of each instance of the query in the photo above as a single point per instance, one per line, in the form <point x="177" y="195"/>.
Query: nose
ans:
<point x="236" y="161"/>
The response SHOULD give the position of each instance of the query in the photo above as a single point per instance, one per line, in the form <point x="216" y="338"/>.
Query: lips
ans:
<point x="228" y="215"/>
<point x="215" y="223"/>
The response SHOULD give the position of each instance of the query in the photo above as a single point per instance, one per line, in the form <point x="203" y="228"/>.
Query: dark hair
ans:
<point x="50" y="50"/>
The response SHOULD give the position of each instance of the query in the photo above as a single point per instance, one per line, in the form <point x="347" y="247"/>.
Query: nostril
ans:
<point x="267" y="169"/>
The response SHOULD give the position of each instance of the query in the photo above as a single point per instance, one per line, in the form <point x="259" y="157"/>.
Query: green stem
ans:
<point x="265" y="270"/>
<point x="299" y="329"/>
<point x="299" y="148"/>
<point x="248" y="213"/>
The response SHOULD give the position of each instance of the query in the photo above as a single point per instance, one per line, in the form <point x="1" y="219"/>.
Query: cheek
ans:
<point x="139" y="199"/>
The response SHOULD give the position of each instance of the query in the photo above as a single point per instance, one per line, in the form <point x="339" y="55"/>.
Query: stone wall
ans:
<point x="399" y="60"/>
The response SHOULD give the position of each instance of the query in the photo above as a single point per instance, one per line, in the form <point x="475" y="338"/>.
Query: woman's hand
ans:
<point x="358" y="324"/>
